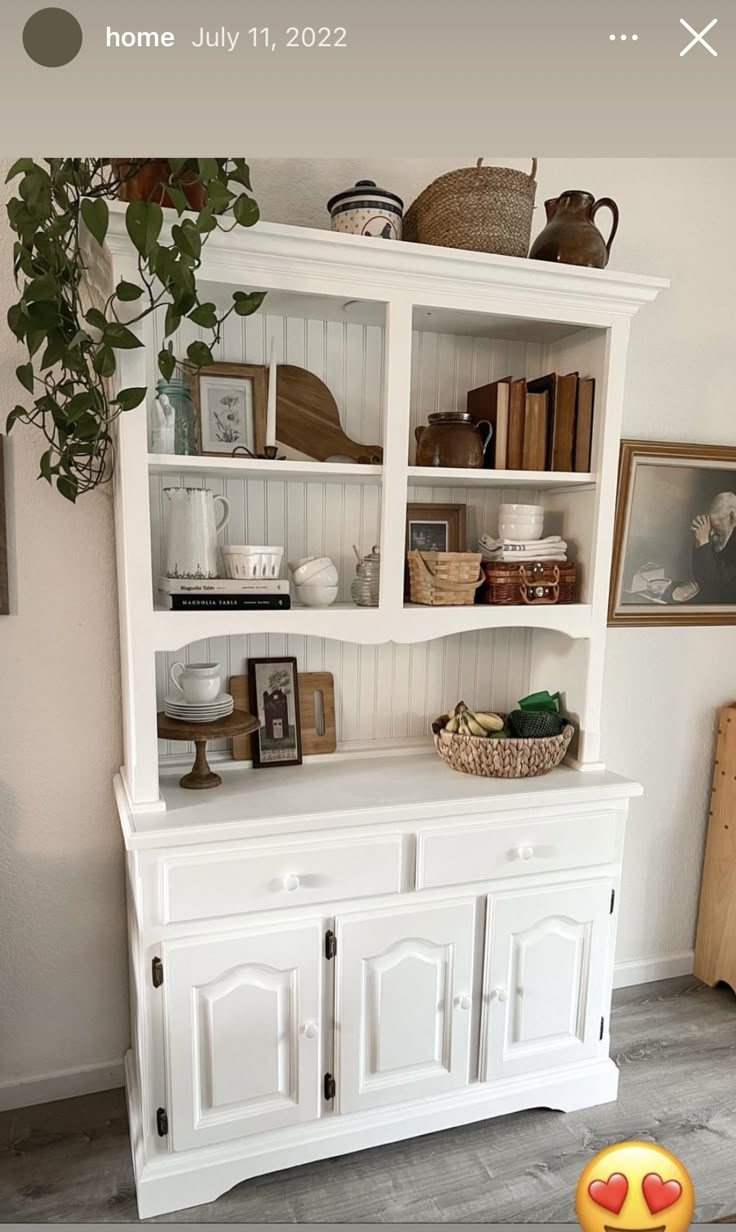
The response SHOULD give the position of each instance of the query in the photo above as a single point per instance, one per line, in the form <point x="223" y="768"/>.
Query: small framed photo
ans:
<point x="434" y="528"/>
<point x="230" y="400"/>
<point x="274" y="698"/>
<point x="674" y="550"/>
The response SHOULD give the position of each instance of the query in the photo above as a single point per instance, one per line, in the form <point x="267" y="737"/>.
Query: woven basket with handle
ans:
<point x="501" y="759"/>
<point x="485" y="209"/>
<point x="444" y="579"/>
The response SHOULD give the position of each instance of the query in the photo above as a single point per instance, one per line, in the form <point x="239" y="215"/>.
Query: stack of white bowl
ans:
<point x="523" y="523"/>
<point x="315" y="580"/>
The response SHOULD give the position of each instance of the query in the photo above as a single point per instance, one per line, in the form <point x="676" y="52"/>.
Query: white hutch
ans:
<point x="370" y="946"/>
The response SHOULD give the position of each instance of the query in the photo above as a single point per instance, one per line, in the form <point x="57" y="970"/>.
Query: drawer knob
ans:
<point x="463" y="1003"/>
<point x="310" y="1030"/>
<point x="291" y="881"/>
<point x="526" y="852"/>
<point x="499" y="994"/>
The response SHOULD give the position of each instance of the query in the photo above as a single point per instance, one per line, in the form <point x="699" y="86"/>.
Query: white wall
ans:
<point x="63" y="977"/>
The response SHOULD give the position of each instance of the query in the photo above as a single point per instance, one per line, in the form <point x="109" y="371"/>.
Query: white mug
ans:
<point x="191" y="532"/>
<point x="197" y="682"/>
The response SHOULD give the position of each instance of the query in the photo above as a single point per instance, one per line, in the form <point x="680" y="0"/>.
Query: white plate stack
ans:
<point x="199" y="712"/>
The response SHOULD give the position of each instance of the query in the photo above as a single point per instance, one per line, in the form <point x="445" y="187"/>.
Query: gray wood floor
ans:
<point x="675" y="1042"/>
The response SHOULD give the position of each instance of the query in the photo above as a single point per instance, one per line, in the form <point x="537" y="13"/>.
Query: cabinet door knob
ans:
<point x="291" y="882"/>
<point x="499" y="994"/>
<point x="525" y="852"/>
<point x="310" y="1030"/>
<point x="463" y="1002"/>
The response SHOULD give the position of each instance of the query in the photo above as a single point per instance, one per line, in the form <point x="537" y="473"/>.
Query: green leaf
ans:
<point x="68" y="487"/>
<point x="208" y="168"/>
<point x="143" y="222"/>
<point x="17" y="413"/>
<point x="55" y="351"/>
<point x="45" y="466"/>
<point x="240" y="173"/>
<point x="205" y="220"/>
<point x="17" y="320"/>
<point x="245" y="211"/>
<point x="247" y="303"/>
<point x="41" y="289"/>
<point x="200" y="354"/>
<point x="178" y="199"/>
<point x="128" y="291"/>
<point x="21" y="165"/>
<point x="96" y="318"/>
<point x="172" y="320"/>
<point x="34" y="338"/>
<point x="117" y="335"/>
<point x="87" y="427"/>
<point x="104" y="362"/>
<point x="78" y="406"/>
<point x="186" y="238"/>
<point x="204" y="315"/>
<point x="128" y="399"/>
<point x="25" y="375"/>
<point x="166" y="364"/>
<point x="96" y="216"/>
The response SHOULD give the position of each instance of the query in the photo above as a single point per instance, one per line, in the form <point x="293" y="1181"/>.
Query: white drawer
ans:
<point x="465" y="852"/>
<point x="264" y="878"/>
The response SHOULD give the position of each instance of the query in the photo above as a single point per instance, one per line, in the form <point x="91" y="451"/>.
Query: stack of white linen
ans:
<point x="551" y="548"/>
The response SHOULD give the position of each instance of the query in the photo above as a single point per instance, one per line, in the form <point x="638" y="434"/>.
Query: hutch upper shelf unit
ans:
<point x="360" y="949"/>
<point x="421" y="325"/>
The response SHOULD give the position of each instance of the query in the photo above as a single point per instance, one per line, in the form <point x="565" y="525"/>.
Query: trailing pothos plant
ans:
<point x="72" y="347"/>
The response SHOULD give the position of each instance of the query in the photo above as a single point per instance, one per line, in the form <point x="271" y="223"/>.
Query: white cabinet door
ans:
<point x="404" y="986"/>
<point x="547" y="978"/>
<point x="243" y="1033"/>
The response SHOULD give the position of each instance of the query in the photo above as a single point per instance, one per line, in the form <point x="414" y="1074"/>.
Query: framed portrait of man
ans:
<point x="674" y="551"/>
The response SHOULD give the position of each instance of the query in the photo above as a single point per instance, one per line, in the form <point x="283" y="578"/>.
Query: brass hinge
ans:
<point x="330" y="944"/>
<point x="602" y="1024"/>
<point x="613" y="899"/>
<point x="157" y="972"/>
<point x="330" y="1087"/>
<point x="162" y="1122"/>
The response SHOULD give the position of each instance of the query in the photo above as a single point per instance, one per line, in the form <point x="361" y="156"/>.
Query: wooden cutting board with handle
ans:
<point x="307" y="419"/>
<point x="316" y="713"/>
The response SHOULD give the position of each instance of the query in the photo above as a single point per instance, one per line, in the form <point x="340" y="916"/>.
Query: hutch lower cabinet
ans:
<point x="307" y="986"/>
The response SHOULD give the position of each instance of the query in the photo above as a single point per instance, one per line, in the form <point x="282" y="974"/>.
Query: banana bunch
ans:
<point x="465" y="722"/>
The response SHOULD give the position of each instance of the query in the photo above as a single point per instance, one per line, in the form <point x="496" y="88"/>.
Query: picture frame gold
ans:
<point x="664" y="488"/>
<point x="256" y="375"/>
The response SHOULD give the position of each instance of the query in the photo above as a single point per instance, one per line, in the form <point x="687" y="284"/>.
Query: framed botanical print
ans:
<point x="674" y="552"/>
<point x="274" y="698"/>
<point x="230" y="400"/>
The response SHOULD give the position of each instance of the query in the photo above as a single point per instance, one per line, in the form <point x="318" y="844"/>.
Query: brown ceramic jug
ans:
<point x="571" y="235"/>
<point x="452" y="438"/>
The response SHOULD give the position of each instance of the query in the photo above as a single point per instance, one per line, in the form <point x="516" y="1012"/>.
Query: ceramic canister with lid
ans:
<point x="366" y="209"/>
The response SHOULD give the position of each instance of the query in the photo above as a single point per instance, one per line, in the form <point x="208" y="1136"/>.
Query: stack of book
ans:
<point x="540" y="425"/>
<point x="223" y="594"/>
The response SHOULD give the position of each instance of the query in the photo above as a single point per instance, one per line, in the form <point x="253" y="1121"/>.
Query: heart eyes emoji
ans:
<point x="611" y="1194"/>
<point x="659" y="1194"/>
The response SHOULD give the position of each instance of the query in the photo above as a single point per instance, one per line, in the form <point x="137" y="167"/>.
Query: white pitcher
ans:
<point x="191" y="532"/>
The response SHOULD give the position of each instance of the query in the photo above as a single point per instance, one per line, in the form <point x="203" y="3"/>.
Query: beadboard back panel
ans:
<point x="382" y="693"/>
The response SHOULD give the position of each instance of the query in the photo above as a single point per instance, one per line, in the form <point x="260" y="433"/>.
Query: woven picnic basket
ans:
<point x="532" y="582"/>
<point x="444" y="579"/>
<point x="485" y="209"/>
<point x="501" y="759"/>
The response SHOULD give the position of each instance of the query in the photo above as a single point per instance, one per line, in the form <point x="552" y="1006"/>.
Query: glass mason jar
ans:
<point x="185" y="415"/>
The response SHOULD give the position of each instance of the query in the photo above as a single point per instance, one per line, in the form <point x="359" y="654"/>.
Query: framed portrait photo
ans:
<point x="230" y="400"/>
<point x="674" y="550"/>
<point x="274" y="698"/>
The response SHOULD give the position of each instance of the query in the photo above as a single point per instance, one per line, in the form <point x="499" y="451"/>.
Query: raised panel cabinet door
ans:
<point x="243" y="1033"/>
<point x="547" y="978"/>
<point x="404" y="984"/>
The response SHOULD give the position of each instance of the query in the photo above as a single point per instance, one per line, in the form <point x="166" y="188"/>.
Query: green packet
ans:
<point x="548" y="702"/>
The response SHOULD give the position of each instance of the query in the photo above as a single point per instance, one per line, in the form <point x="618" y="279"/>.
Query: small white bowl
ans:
<point x="308" y="567"/>
<point x="522" y="531"/>
<point x="530" y="511"/>
<point x="316" y="596"/>
<point x="326" y="577"/>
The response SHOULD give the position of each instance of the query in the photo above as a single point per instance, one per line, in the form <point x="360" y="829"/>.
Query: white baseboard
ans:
<point x="646" y="970"/>
<point x="64" y="1084"/>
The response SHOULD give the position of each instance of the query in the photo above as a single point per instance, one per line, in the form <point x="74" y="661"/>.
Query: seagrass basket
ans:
<point x="444" y="579"/>
<point x="501" y="759"/>
<point x="485" y="209"/>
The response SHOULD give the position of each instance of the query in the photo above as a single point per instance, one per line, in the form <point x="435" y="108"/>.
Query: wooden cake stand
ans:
<point x="239" y="723"/>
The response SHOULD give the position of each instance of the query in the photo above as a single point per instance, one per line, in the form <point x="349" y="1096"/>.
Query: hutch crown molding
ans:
<point x="369" y="947"/>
